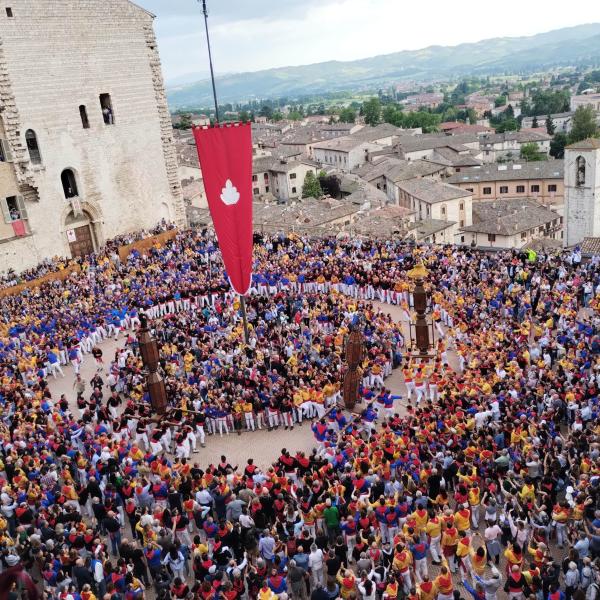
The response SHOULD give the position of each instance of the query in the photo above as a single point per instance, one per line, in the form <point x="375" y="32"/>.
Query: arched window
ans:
<point x="32" y="146"/>
<point x="580" y="178"/>
<point x="69" y="184"/>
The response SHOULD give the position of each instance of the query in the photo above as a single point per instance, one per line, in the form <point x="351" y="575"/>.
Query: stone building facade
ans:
<point x="85" y="132"/>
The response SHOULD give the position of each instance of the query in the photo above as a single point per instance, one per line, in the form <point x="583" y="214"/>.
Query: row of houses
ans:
<point x="426" y="187"/>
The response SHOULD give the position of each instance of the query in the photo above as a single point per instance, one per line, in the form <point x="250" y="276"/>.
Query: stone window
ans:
<point x="293" y="190"/>
<point x="487" y="191"/>
<point x="520" y="189"/>
<point x="5" y="153"/>
<point x="535" y="189"/>
<point x="9" y="12"/>
<point x="33" y="147"/>
<point x="256" y="191"/>
<point x="254" y="177"/>
<point x="85" y="122"/>
<point x="292" y="175"/>
<point x="504" y="189"/>
<point x="69" y="183"/>
<point x="107" y="109"/>
<point x="552" y="187"/>
<point x="13" y="209"/>
<point x="491" y="237"/>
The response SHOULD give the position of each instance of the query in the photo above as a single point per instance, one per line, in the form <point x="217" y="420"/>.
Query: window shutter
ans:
<point x="8" y="155"/>
<point x="5" y="211"/>
<point x="21" y="207"/>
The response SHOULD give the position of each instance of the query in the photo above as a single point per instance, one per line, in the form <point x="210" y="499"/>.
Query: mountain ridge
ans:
<point x="569" y="45"/>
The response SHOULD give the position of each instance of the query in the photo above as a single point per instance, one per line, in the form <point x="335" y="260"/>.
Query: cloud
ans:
<point x="258" y="34"/>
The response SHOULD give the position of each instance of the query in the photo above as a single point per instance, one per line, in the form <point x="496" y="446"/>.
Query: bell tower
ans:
<point x="582" y="191"/>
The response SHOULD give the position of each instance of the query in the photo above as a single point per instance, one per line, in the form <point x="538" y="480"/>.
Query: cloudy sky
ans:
<point x="249" y="35"/>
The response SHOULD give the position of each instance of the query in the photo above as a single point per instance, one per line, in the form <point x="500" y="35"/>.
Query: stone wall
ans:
<point x="56" y="55"/>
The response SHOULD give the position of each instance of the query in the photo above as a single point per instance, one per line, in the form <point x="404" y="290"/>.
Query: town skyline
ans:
<point x="302" y="33"/>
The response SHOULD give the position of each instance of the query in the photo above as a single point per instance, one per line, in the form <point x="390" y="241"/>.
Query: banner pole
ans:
<point x="244" y="318"/>
<point x="212" y="74"/>
<point x="214" y="90"/>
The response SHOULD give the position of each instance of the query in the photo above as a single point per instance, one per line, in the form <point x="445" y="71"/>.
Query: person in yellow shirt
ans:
<point x="433" y="529"/>
<point x="427" y="590"/>
<point x="402" y="562"/>
<point x="479" y="560"/>
<point x="474" y="504"/>
<point x="444" y="584"/>
<point x="462" y="518"/>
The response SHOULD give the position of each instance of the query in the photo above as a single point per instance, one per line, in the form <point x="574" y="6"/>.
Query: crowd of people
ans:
<point x="10" y="277"/>
<point x="481" y="481"/>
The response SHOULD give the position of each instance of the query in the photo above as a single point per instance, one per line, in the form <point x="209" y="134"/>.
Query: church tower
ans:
<point x="582" y="191"/>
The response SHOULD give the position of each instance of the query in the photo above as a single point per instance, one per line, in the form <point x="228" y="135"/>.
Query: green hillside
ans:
<point x="569" y="46"/>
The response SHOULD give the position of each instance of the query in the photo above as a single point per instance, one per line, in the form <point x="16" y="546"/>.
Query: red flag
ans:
<point x="225" y="154"/>
<point x="19" y="228"/>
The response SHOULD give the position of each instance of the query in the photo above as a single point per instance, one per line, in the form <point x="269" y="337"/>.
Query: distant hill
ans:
<point x="568" y="46"/>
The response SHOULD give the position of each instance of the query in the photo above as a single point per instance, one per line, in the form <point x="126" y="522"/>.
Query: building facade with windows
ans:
<point x="87" y="143"/>
<point x="438" y="208"/>
<point x="540" y="180"/>
<point x="512" y="223"/>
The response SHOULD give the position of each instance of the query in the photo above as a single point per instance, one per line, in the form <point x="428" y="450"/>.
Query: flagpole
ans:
<point x="214" y="90"/>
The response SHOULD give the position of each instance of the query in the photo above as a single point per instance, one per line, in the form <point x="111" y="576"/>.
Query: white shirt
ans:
<point x="315" y="559"/>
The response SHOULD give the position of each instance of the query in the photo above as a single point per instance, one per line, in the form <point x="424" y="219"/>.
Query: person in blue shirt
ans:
<point x="53" y="364"/>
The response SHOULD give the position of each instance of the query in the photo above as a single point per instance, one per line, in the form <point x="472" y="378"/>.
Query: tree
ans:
<point x="244" y="116"/>
<point x="393" y="115"/>
<point x="583" y="125"/>
<point x="266" y="111"/>
<point x="535" y="124"/>
<point x="509" y="124"/>
<point x="372" y="111"/>
<point x="546" y="102"/>
<point x="532" y="152"/>
<point x="500" y="101"/>
<point x="185" y="122"/>
<point x="311" y="187"/>
<point x="550" y="127"/>
<point x="427" y="121"/>
<point x="295" y="115"/>
<point x="347" y="115"/>
<point x="557" y="145"/>
<point x="277" y="116"/>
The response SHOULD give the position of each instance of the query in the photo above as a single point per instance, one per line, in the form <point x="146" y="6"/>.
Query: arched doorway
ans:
<point x="165" y="212"/>
<point x="80" y="231"/>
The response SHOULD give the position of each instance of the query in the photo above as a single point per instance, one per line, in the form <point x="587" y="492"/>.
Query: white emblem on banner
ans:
<point x="229" y="194"/>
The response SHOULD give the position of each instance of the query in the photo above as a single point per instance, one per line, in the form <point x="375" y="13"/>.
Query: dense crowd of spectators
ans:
<point x="485" y="482"/>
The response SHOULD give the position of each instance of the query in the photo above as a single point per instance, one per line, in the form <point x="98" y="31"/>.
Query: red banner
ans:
<point x="19" y="228"/>
<point x="225" y="153"/>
